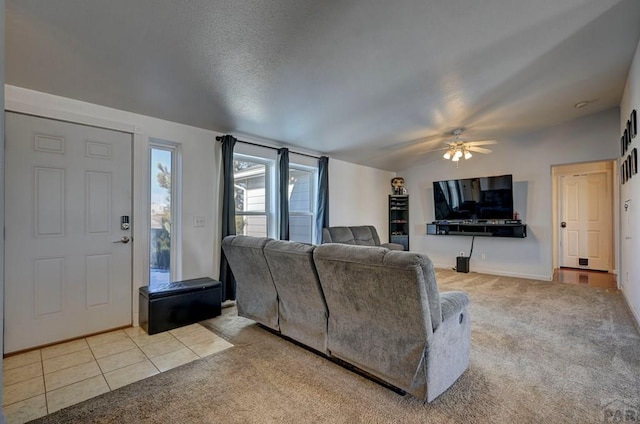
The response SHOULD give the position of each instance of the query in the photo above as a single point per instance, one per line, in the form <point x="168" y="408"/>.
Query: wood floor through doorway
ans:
<point x="585" y="277"/>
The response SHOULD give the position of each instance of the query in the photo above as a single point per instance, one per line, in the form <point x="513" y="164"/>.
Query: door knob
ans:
<point x="123" y="240"/>
<point x="563" y="224"/>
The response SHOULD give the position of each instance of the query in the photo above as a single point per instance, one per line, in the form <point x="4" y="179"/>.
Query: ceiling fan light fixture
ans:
<point x="458" y="149"/>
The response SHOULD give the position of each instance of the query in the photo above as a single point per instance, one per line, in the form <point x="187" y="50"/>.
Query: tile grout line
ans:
<point x="143" y="352"/>
<point x="46" y="391"/>
<point x="98" y="363"/>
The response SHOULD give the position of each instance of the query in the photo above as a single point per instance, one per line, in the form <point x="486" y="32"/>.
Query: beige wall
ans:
<point x="358" y="196"/>
<point x="629" y="275"/>
<point x="529" y="159"/>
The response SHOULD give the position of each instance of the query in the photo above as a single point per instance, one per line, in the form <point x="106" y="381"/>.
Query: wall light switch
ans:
<point x="199" y="221"/>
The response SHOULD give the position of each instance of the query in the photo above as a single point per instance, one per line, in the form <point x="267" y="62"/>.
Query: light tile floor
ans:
<point x="42" y="381"/>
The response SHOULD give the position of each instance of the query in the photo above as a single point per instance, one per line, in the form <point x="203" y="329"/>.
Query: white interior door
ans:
<point x="585" y="231"/>
<point x="67" y="275"/>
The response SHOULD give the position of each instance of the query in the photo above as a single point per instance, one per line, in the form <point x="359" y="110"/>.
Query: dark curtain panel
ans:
<point x="228" y="215"/>
<point x="283" y="198"/>
<point x="322" y="217"/>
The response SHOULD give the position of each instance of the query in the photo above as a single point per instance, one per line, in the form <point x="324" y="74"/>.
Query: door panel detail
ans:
<point x="98" y="197"/>
<point x="98" y="279"/>
<point x="48" y="144"/>
<point x="98" y="150"/>
<point x="49" y="275"/>
<point x="49" y="202"/>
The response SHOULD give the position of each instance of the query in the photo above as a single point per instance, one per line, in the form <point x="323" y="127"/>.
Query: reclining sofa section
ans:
<point x="376" y="309"/>
<point x="363" y="235"/>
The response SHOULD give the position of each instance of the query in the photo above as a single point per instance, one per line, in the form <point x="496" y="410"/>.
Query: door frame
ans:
<point x="140" y="182"/>
<point x="557" y="171"/>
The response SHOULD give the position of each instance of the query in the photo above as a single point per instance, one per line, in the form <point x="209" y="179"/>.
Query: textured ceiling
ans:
<point x="370" y="81"/>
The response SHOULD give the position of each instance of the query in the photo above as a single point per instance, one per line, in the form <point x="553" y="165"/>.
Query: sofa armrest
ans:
<point x="449" y="346"/>
<point x="326" y="236"/>
<point x="392" y="246"/>
<point x="453" y="302"/>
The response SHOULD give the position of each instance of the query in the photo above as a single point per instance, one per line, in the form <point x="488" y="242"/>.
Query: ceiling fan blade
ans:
<point x="410" y="143"/>
<point x="479" y="149"/>
<point x="427" y="152"/>
<point x="480" y="142"/>
<point x="439" y="149"/>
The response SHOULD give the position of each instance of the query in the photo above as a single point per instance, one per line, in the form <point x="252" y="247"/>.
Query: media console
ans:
<point x="483" y="229"/>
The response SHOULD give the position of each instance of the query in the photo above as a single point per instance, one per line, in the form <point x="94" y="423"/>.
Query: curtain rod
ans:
<point x="218" y="138"/>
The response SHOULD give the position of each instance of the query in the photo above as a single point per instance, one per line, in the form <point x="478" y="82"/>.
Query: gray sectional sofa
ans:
<point x="373" y="308"/>
<point x="362" y="235"/>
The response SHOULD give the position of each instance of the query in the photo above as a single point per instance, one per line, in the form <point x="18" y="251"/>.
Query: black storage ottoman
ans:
<point x="173" y="305"/>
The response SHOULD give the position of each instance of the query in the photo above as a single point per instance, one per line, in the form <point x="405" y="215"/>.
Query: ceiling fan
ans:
<point x="458" y="148"/>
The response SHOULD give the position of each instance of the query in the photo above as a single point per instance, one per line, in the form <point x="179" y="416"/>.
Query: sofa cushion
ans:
<point x="379" y="316"/>
<point x="428" y="275"/>
<point x="302" y="307"/>
<point x="256" y="295"/>
<point x="339" y="235"/>
<point x="365" y="235"/>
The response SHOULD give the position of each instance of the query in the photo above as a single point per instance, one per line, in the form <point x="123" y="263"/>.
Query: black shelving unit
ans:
<point x="399" y="219"/>
<point x="477" y="229"/>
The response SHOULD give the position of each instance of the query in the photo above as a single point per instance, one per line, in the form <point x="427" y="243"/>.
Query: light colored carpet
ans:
<point x="541" y="352"/>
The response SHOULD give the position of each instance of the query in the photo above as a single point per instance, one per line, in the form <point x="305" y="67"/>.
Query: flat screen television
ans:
<point x="482" y="198"/>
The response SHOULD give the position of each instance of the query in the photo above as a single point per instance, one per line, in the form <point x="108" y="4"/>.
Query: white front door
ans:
<point x="585" y="231"/>
<point x="67" y="271"/>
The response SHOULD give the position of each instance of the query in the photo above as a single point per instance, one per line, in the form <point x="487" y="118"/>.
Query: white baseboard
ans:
<point x="634" y="313"/>
<point x="503" y="273"/>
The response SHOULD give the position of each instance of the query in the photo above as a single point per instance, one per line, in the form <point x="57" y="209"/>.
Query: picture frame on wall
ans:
<point x="630" y="132"/>
<point x="623" y="172"/>
<point x="627" y="140"/>
<point x="628" y="166"/>
<point x="634" y="160"/>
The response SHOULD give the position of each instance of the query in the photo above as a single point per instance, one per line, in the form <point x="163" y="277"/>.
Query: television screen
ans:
<point x="474" y="198"/>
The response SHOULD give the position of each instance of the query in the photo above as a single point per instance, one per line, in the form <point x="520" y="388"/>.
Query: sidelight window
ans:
<point x="162" y="231"/>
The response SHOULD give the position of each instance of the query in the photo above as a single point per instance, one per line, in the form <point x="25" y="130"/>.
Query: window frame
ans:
<point x="270" y="190"/>
<point x="313" y="188"/>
